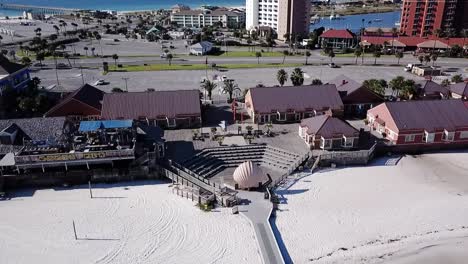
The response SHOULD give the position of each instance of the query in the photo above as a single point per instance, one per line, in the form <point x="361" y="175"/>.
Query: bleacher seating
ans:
<point x="212" y="161"/>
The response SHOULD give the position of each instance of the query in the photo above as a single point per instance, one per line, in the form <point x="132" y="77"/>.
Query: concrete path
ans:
<point x="258" y="210"/>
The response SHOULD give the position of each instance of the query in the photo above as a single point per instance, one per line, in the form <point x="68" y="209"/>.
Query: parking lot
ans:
<point x="177" y="80"/>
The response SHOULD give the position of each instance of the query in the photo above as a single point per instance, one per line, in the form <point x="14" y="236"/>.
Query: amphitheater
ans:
<point x="219" y="163"/>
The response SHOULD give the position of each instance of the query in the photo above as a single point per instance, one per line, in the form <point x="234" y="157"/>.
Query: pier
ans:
<point x="45" y="10"/>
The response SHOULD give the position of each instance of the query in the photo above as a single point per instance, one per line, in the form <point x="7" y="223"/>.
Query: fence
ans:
<point x="290" y="170"/>
<point x="64" y="157"/>
<point x="347" y="157"/>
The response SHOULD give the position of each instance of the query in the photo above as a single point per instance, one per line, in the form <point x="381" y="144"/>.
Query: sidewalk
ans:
<point x="258" y="210"/>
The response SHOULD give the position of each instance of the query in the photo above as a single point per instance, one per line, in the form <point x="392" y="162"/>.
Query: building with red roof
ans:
<point x="411" y="43"/>
<point x="337" y="39"/>
<point x="330" y="133"/>
<point x="421" y="123"/>
<point x="83" y="104"/>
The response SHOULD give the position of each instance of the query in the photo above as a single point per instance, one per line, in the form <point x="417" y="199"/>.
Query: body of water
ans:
<point x="118" y="5"/>
<point x="355" y="23"/>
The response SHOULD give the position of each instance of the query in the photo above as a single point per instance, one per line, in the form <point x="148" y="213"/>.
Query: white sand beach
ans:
<point x="414" y="212"/>
<point x="126" y="223"/>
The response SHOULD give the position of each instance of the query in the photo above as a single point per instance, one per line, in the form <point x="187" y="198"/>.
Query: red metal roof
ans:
<point x="296" y="98"/>
<point x="337" y="33"/>
<point x="152" y="105"/>
<point x="87" y="94"/>
<point x="329" y="127"/>
<point x="413" y="41"/>
<point x="429" y="115"/>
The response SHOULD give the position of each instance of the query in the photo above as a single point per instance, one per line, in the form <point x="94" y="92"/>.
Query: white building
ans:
<point x="205" y="17"/>
<point x="201" y="48"/>
<point x="261" y="13"/>
<point x="290" y="17"/>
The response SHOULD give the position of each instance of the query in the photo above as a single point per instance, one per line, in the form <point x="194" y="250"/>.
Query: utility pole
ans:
<point x="82" y="76"/>
<point x="126" y="84"/>
<point x="74" y="230"/>
<point x="90" y="190"/>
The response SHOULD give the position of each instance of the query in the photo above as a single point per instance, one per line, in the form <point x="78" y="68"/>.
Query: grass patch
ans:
<point x="247" y="54"/>
<point x="178" y="67"/>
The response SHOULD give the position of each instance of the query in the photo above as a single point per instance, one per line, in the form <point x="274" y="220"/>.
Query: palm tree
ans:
<point x="208" y="86"/>
<point x="40" y="56"/>
<point x="282" y="76"/>
<point x="399" y="55"/>
<point x="457" y="78"/>
<point x="376" y="55"/>
<point x="229" y="87"/>
<point x="427" y="59"/>
<point x="285" y="53"/>
<point x="394" y="34"/>
<point x="92" y="51"/>
<point x="379" y="32"/>
<point x="420" y="58"/>
<point x="437" y="33"/>
<point x="396" y="84"/>
<point x="57" y="29"/>
<point x="434" y="58"/>
<point x="258" y="55"/>
<point x="86" y="50"/>
<point x="307" y="55"/>
<point x="317" y="82"/>
<point x="297" y="77"/>
<point x="169" y="57"/>
<point x="115" y="57"/>
<point x="331" y="55"/>
<point x="67" y="56"/>
<point x="358" y="54"/>
<point x="98" y="38"/>
<point x="408" y="89"/>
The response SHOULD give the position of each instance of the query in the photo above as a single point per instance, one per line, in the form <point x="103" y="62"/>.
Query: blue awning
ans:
<point x="87" y="126"/>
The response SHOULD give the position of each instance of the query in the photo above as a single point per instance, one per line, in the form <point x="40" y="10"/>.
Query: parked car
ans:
<point x="163" y="55"/>
<point x="63" y="66"/>
<point x="116" y="40"/>
<point x="38" y="64"/>
<point x="332" y="65"/>
<point x="101" y="82"/>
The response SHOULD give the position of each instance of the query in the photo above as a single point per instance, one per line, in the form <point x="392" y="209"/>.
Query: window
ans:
<point x="347" y="142"/>
<point x="325" y="143"/>
<point x="448" y="136"/>
<point x="464" y="134"/>
<point x="409" y="138"/>
<point x="428" y="137"/>
<point x="171" y="122"/>
<point x="281" y="116"/>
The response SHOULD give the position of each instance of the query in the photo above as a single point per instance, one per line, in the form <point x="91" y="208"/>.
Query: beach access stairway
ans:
<point x="211" y="161"/>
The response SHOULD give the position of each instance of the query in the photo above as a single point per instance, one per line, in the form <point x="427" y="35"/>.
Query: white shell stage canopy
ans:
<point x="249" y="175"/>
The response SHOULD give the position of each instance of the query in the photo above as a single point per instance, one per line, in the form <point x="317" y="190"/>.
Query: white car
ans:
<point x="101" y="82"/>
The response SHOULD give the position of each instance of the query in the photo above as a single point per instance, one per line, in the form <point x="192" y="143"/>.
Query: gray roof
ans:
<point x="151" y="104"/>
<point x="299" y="98"/>
<point x="203" y="44"/>
<point x="329" y="127"/>
<point x="38" y="128"/>
<point x="7" y="67"/>
<point x="431" y="88"/>
<point x="345" y="84"/>
<point x="429" y="115"/>
<point x="459" y="88"/>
